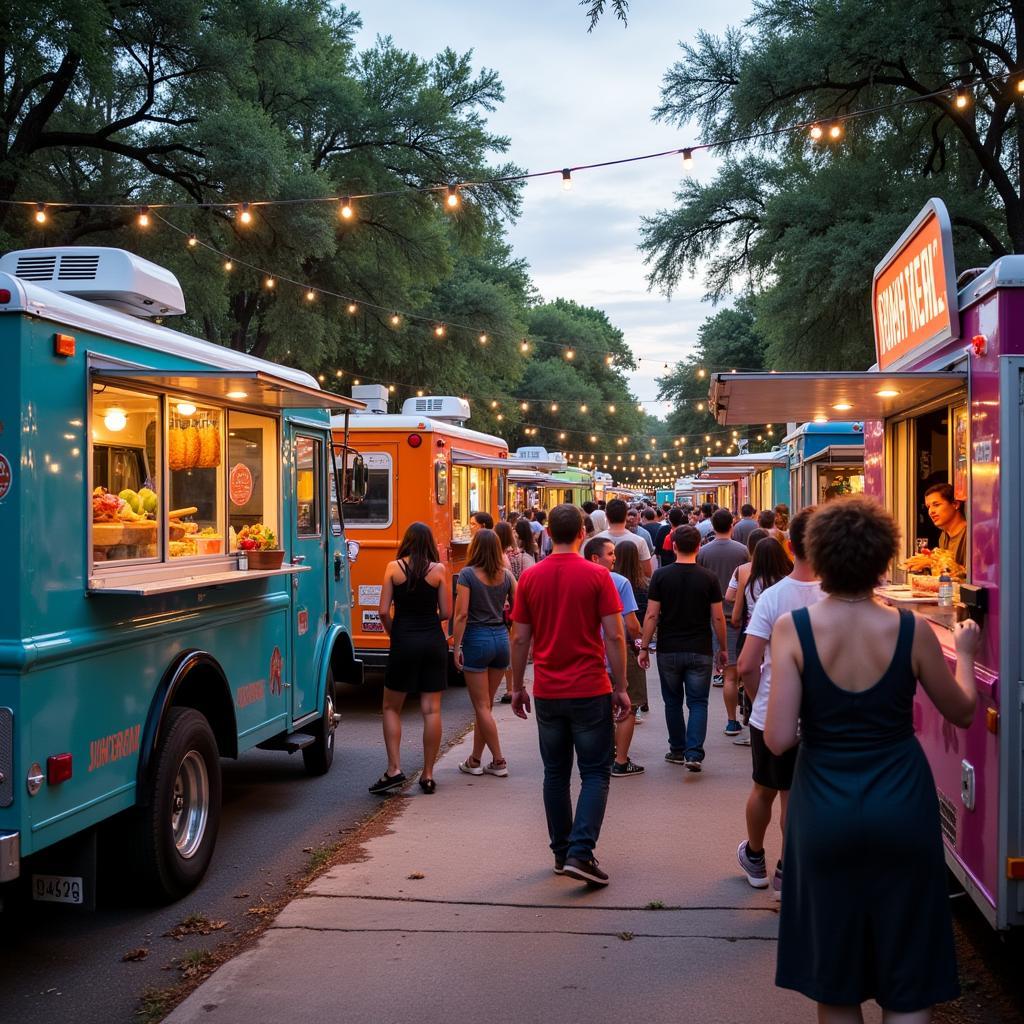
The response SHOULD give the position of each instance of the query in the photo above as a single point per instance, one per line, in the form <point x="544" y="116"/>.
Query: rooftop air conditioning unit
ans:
<point x="438" y="407"/>
<point x="112" y="278"/>
<point x="374" y="395"/>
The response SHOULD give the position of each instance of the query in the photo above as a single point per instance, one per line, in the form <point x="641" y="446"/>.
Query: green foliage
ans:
<point x="801" y="225"/>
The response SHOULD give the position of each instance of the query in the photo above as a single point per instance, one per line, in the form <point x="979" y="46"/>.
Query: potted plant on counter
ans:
<point x="260" y="545"/>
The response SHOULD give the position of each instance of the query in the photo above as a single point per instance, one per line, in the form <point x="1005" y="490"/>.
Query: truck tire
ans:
<point x="177" y="819"/>
<point x="319" y="756"/>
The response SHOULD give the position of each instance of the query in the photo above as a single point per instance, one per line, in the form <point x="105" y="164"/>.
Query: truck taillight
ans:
<point x="5" y="295"/>
<point x="58" y="768"/>
<point x="414" y="440"/>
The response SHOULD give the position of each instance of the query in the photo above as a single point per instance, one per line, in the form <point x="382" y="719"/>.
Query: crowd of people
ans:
<point x="817" y="677"/>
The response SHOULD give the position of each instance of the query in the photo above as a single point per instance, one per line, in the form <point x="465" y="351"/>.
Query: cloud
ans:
<point x="574" y="97"/>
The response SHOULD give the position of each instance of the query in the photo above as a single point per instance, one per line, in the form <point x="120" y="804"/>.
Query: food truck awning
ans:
<point x="869" y="395"/>
<point x="525" y="477"/>
<point x="245" y="388"/>
<point x="838" y="454"/>
<point x="478" y="461"/>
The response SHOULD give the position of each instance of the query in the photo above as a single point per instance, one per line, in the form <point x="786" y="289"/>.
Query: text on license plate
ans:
<point x="57" y="888"/>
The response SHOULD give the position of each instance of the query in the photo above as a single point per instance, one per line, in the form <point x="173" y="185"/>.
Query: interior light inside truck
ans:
<point x="115" y="420"/>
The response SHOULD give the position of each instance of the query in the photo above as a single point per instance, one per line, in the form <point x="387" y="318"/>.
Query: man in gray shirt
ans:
<point x="722" y="556"/>
<point x="746" y="526"/>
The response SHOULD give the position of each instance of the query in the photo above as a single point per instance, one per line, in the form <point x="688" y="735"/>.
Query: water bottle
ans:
<point x="945" y="590"/>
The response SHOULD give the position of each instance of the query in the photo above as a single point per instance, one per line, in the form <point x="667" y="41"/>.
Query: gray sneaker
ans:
<point x="753" y="867"/>
<point x="777" y="883"/>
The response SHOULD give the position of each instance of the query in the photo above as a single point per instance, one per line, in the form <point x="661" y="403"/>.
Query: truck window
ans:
<point x="125" y="518"/>
<point x="375" y="511"/>
<point x="307" y="486"/>
<point x="195" y="455"/>
<point x="251" y="472"/>
<point x="471" y="492"/>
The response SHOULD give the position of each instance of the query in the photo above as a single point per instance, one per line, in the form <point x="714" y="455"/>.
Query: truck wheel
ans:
<point x="178" y="817"/>
<point x="318" y="756"/>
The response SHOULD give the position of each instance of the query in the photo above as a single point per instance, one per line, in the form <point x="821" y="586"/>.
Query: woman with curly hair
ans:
<point x="865" y="913"/>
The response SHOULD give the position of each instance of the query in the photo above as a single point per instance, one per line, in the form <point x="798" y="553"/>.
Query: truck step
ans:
<point x="290" y="741"/>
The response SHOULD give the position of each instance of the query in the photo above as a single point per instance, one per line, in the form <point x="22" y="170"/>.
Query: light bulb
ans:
<point x="962" y="100"/>
<point x="583" y="408"/>
<point x="554" y="407"/>
<point x="1020" y="85"/>
<point x="687" y="159"/>
<point x="40" y="213"/>
<point x="192" y="240"/>
<point x="229" y="266"/>
<point x="836" y="131"/>
<point x="566" y="180"/>
<point x="494" y="404"/>
<point x="395" y="319"/>
<point x="439" y="331"/>
<point x="115" y="420"/>
<point x="352" y="308"/>
<point x="245" y="216"/>
<point x="144" y="217"/>
<point x="186" y="408"/>
<point x="702" y="373"/>
<point x="611" y="408"/>
<point x="700" y="407"/>
<point x="570" y="354"/>
<point x="452" y="199"/>
<point x="310" y="295"/>
<point x="816" y="131"/>
<point x="269" y="283"/>
<point x="482" y="339"/>
<point x="561" y="437"/>
<point x="608" y="360"/>
<point x="346" y="211"/>
<point x="337" y="373"/>
<point x="524" y="346"/>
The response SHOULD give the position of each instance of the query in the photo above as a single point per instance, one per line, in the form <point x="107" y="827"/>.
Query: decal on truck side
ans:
<point x="113" y="747"/>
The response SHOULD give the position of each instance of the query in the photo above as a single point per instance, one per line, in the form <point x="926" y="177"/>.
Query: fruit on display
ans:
<point x="149" y="500"/>
<point x="257" y="538"/>
<point x="133" y="499"/>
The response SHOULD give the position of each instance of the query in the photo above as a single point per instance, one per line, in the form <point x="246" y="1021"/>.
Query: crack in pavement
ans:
<point x="536" y="931"/>
<point x="526" y="906"/>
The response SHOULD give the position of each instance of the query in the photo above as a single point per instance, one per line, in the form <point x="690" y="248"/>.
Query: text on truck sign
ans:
<point x="913" y="295"/>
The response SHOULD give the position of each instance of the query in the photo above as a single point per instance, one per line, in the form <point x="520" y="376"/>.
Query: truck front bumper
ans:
<point x="10" y="856"/>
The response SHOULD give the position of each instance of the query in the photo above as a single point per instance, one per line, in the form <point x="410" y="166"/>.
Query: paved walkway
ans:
<point x="490" y="933"/>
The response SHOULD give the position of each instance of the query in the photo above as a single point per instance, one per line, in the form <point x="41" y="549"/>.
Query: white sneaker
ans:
<point x="638" y="717"/>
<point x="743" y="740"/>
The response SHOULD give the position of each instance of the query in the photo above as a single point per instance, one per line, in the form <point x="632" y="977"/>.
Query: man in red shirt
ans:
<point x="563" y="604"/>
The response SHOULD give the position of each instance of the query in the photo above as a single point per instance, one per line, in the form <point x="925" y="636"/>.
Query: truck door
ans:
<point x="309" y="528"/>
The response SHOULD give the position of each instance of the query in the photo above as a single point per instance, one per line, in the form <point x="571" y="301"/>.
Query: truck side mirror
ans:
<point x="358" y="479"/>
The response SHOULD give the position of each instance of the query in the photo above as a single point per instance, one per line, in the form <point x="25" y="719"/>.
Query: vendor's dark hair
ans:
<point x="419" y="549"/>
<point x="945" y="492"/>
<point x="850" y="542"/>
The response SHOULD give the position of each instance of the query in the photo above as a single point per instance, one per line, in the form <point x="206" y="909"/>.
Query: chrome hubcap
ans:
<point x="332" y="721"/>
<point x="190" y="805"/>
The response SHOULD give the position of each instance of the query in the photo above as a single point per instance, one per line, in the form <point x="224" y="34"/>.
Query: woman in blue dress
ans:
<point x="865" y="911"/>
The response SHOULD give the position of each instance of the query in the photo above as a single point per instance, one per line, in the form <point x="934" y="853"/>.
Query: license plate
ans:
<point x="57" y="888"/>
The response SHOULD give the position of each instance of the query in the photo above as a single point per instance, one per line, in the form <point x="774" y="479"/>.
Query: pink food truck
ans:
<point x="944" y="405"/>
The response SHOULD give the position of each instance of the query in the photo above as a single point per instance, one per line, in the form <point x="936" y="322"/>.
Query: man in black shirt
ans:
<point x="684" y="604"/>
<point x="676" y="518"/>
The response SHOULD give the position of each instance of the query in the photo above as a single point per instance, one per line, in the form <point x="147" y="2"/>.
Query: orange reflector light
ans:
<point x="58" y="768"/>
<point x="63" y="344"/>
<point x="1015" y="867"/>
<point x="992" y="720"/>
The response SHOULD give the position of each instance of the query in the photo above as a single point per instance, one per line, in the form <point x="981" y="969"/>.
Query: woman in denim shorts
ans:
<point x="485" y="588"/>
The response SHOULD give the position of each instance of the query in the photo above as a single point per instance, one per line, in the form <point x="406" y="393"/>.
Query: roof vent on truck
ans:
<point x="447" y="408"/>
<point x="113" y="278"/>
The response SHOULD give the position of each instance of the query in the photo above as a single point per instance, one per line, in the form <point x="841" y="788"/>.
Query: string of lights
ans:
<point x="828" y="127"/>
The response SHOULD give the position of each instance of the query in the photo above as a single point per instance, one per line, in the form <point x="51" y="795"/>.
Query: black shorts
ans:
<point x="773" y="771"/>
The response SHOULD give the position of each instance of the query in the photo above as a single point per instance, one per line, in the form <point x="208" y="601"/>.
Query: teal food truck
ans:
<point x="175" y="583"/>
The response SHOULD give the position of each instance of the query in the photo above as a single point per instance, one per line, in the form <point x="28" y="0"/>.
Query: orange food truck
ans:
<point x="420" y="465"/>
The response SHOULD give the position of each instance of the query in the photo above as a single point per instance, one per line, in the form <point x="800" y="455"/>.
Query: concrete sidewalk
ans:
<point x="490" y="933"/>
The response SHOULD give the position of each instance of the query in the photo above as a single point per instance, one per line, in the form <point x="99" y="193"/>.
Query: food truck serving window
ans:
<point x="471" y="492"/>
<point x="204" y="481"/>
<point x="376" y="510"/>
<point x="125" y="436"/>
<point x="927" y="452"/>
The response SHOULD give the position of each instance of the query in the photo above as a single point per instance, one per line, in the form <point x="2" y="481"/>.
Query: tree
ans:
<point x="595" y="8"/>
<point x="801" y="224"/>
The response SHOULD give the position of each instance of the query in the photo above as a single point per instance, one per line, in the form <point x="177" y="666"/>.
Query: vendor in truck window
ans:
<point x="946" y="512"/>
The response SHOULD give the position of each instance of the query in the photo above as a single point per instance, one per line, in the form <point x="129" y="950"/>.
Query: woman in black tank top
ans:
<point x="414" y="604"/>
<point x="864" y="911"/>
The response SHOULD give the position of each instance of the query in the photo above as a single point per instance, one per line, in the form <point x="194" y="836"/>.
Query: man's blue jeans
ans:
<point x="688" y="676"/>
<point x="582" y="725"/>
